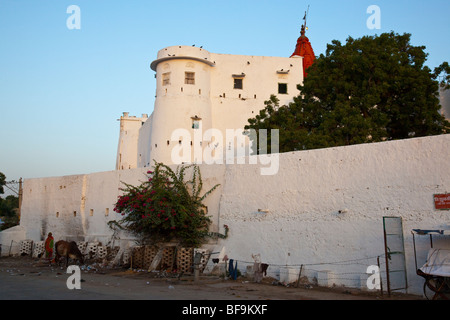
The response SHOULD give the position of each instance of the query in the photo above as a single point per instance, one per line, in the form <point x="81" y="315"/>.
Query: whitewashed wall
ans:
<point x="322" y="206"/>
<point x="127" y="150"/>
<point x="365" y="182"/>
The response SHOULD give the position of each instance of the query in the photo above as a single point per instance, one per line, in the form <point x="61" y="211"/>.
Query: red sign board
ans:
<point x="442" y="201"/>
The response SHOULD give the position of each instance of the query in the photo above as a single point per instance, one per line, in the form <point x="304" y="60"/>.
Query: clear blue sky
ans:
<point x="61" y="90"/>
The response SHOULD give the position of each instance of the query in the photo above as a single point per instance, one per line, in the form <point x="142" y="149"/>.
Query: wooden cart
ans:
<point x="436" y="270"/>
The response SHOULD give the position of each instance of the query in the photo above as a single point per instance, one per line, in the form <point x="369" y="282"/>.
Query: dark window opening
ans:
<point x="282" y="88"/>
<point x="237" y="83"/>
<point x="189" y="78"/>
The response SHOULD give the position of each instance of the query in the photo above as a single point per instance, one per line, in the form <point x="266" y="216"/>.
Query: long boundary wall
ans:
<point x="323" y="209"/>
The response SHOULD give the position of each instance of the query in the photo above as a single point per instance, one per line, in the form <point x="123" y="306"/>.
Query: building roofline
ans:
<point x="157" y="61"/>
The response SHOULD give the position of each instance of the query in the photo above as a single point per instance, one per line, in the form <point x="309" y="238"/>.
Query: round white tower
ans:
<point x="182" y="109"/>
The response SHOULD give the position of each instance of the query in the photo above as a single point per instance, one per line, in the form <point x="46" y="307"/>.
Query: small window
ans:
<point x="189" y="77"/>
<point x="237" y="83"/>
<point x="195" y="124"/>
<point x="91" y="212"/>
<point x="166" y="79"/>
<point x="282" y="88"/>
<point x="107" y="212"/>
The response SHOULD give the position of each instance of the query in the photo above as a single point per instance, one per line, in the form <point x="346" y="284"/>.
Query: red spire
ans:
<point x="304" y="49"/>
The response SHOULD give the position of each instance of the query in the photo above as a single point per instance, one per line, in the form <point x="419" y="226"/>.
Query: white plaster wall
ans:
<point x="233" y="107"/>
<point x="302" y="225"/>
<point x="144" y="144"/>
<point x="78" y="207"/>
<point x="127" y="150"/>
<point x="212" y="97"/>
<point x="177" y="102"/>
<point x="444" y="99"/>
<point x="44" y="199"/>
<point x="261" y="79"/>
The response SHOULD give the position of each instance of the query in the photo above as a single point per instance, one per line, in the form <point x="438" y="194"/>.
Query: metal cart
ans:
<point x="436" y="270"/>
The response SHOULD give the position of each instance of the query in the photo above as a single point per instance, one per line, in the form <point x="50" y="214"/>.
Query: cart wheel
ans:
<point x="431" y="285"/>
<point x="427" y="292"/>
<point x="446" y="289"/>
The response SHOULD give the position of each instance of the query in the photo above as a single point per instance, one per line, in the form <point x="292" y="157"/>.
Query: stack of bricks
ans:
<point x="39" y="249"/>
<point x="25" y="247"/>
<point x="149" y="255"/>
<point x="185" y="260"/>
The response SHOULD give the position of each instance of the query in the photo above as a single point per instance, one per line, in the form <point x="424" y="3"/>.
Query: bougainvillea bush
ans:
<point x="165" y="207"/>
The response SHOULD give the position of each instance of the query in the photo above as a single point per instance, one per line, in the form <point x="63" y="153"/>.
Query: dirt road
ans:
<point x="25" y="278"/>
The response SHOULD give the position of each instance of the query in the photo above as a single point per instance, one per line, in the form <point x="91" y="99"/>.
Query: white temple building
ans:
<point x="198" y="90"/>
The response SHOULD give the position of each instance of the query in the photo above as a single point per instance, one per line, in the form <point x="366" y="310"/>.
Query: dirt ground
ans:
<point x="24" y="278"/>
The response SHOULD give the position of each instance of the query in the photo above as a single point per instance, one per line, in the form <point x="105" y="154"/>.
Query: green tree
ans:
<point x="2" y="182"/>
<point x="9" y="206"/>
<point x="371" y="89"/>
<point x="165" y="207"/>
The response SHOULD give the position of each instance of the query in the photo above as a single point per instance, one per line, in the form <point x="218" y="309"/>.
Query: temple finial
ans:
<point x="304" y="27"/>
<point x="303" y="47"/>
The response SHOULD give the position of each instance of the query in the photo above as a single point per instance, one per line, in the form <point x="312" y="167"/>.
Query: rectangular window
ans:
<point x="195" y="124"/>
<point x="237" y="83"/>
<point x="166" y="78"/>
<point x="282" y="88"/>
<point x="189" y="77"/>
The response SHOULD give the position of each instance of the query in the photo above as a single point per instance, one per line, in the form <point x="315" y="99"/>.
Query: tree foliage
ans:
<point x="2" y="182"/>
<point x="166" y="207"/>
<point x="9" y="207"/>
<point x="371" y="89"/>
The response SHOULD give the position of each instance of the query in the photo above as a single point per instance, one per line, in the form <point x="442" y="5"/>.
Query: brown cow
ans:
<point x="68" y="250"/>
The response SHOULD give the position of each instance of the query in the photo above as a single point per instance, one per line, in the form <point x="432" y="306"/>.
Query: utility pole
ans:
<point x="20" y="197"/>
